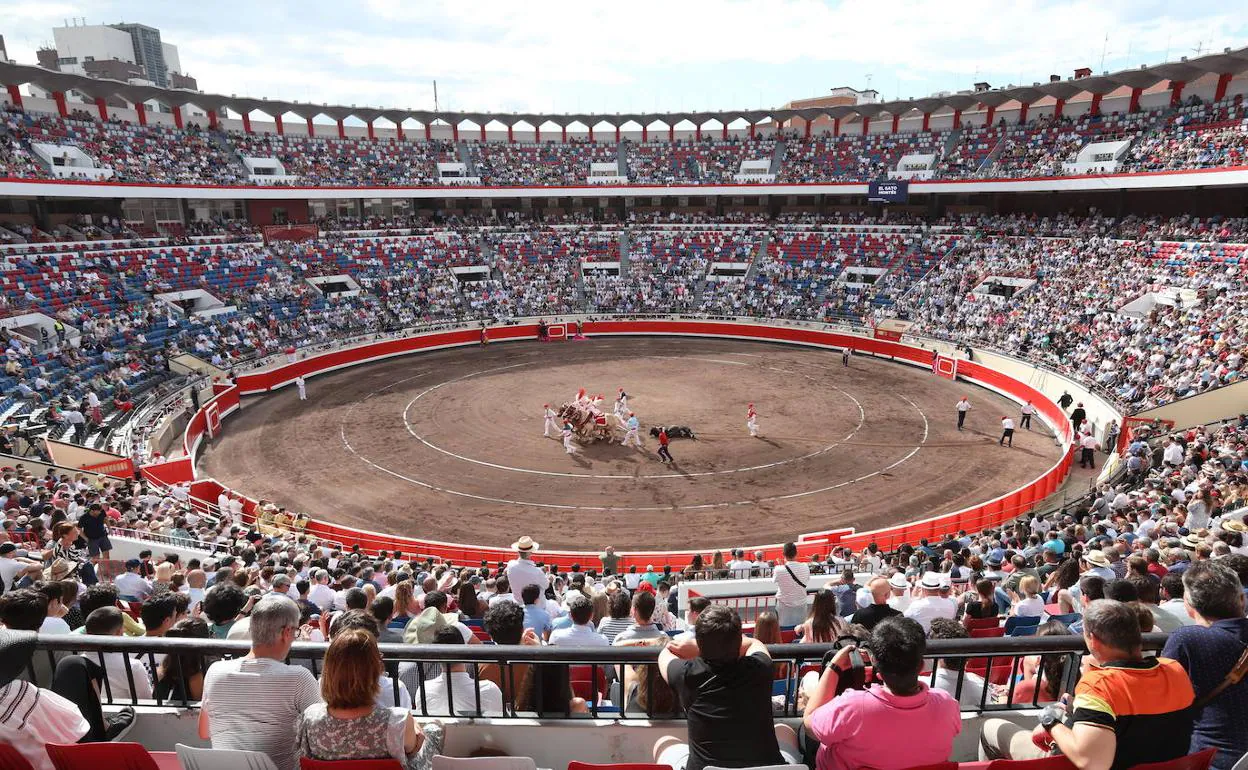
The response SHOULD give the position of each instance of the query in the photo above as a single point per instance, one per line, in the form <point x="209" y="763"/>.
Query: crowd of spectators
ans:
<point x="1194" y="135"/>
<point x="1162" y="550"/>
<point x="1113" y="302"/>
<point x="511" y="164"/>
<point x="135" y="153"/>
<point x="321" y="161"/>
<point x="1147" y="322"/>
<point x="846" y="157"/>
<point x="709" y="161"/>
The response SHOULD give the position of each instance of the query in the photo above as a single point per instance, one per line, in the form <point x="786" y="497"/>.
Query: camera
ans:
<point x="854" y="677"/>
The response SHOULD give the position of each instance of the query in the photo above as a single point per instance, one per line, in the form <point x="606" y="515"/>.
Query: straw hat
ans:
<point x="526" y="543"/>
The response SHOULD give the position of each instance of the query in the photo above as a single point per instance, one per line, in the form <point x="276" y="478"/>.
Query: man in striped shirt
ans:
<point x="253" y="703"/>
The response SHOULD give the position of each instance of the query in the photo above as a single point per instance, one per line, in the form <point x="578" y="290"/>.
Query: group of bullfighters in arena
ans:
<point x="584" y="419"/>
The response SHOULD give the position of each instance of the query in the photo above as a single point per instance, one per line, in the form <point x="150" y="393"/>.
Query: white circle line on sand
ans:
<point x="568" y="507"/>
<point x="862" y="418"/>
<point x="564" y="506"/>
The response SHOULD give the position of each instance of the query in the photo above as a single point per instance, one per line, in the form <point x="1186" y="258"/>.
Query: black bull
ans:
<point x="675" y="431"/>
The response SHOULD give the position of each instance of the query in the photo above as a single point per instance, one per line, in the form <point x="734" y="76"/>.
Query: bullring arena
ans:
<point x="449" y="445"/>
<point x="337" y="435"/>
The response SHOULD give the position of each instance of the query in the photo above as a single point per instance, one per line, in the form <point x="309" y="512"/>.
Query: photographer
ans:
<point x="858" y="728"/>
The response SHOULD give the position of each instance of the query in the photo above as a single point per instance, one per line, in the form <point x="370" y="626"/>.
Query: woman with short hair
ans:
<point x="350" y="724"/>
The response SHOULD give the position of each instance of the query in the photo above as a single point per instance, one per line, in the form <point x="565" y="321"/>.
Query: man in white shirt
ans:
<point x="1172" y="455"/>
<point x="107" y="621"/>
<point x="13" y="568"/>
<point x="963" y="407"/>
<point x="739" y="567"/>
<point x="760" y="564"/>
<point x="461" y="686"/>
<point x="581" y="633"/>
<point x="791" y="577"/>
<point x="900" y="587"/>
<point x="130" y="584"/>
<point x="253" y="703"/>
<point x="1096" y="563"/>
<point x="521" y="571"/>
<point x="54" y="623"/>
<point x="1029" y="411"/>
<point x="321" y="594"/>
<point x="1007" y="432"/>
<point x="948" y="669"/>
<point x="1172" y="591"/>
<point x="1087" y="452"/>
<point x="931" y="604"/>
<point x="632" y="579"/>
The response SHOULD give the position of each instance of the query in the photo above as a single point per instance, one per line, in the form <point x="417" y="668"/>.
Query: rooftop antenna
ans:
<point x="1200" y="47"/>
<point x="435" y="96"/>
<point x="1104" y="50"/>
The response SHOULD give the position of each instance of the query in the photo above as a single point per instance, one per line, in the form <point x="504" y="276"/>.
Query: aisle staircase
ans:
<point x="626" y="243"/>
<point x="761" y="251"/>
<point x="465" y="157"/>
<point x="777" y="157"/>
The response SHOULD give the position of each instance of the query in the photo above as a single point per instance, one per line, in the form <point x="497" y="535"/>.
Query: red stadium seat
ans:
<point x="936" y="766"/>
<point x="987" y="633"/>
<point x="973" y="623"/>
<point x="1201" y="760"/>
<point x="349" y="764"/>
<point x="575" y="765"/>
<point x="94" y="756"/>
<point x="1001" y="669"/>
<point x="587" y="682"/>
<point x="12" y="759"/>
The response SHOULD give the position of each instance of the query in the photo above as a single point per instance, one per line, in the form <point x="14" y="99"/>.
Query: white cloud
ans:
<point x="561" y="55"/>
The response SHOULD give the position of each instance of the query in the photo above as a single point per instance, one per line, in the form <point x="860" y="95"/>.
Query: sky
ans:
<point x="639" y="56"/>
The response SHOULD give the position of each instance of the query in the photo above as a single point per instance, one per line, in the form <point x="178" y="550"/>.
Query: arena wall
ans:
<point x="1204" y="408"/>
<point x="1100" y="410"/>
<point x="987" y="514"/>
<point x="296" y="196"/>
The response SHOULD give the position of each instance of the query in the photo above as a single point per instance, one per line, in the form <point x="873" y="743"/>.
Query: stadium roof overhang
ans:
<point x="1228" y="62"/>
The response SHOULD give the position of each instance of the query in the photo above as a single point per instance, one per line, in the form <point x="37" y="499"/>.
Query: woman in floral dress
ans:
<point x="349" y="724"/>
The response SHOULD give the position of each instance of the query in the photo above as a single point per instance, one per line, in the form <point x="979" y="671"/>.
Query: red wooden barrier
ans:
<point x="975" y="518"/>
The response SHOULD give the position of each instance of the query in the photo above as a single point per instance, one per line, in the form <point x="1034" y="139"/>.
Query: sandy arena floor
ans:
<point x="448" y="445"/>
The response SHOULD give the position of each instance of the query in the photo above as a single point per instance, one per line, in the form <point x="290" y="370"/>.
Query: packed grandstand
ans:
<point x="1190" y="135"/>
<point x="1127" y="593"/>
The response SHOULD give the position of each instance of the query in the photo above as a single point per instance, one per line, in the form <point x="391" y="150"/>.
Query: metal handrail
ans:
<point x="605" y="667"/>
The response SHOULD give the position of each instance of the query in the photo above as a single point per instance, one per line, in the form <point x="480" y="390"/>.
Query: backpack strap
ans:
<point x="1233" y="677"/>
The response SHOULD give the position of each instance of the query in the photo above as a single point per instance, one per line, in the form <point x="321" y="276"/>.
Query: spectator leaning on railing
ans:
<point x="724" y="683"/>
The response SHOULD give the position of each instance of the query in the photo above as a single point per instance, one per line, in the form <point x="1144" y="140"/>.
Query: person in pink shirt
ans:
<point x="860" y="728"/>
